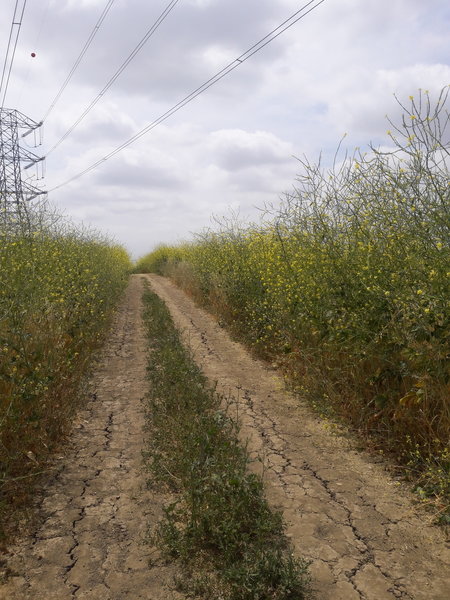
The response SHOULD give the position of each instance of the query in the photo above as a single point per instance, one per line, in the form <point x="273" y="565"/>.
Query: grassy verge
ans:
<point x="229" y="541"/>
<point x="346" y="286"/>
<point x="58" y="286"/>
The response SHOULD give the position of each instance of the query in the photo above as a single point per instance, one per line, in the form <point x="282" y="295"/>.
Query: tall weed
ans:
<point x="57" y="289"/>
<point x="346" y="286"/>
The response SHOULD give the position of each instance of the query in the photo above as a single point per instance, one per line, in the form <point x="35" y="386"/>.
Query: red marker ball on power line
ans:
<point x="33" y="54"/>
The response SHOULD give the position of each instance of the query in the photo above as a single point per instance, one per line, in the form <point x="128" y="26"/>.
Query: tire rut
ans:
<point x="92" y="516"/>
<point x="358" y="526"/>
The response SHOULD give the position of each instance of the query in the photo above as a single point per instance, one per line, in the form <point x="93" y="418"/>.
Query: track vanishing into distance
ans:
<point x="357" y="525"/>
<point x="94" y="513"/>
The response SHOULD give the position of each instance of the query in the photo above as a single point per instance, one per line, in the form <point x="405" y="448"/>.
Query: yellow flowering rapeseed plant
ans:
<point x="57" y="288"/>
<point x="347" y="287"/>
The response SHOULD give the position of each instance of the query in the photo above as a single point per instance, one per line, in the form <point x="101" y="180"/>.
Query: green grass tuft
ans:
<point x="220" y="527"/>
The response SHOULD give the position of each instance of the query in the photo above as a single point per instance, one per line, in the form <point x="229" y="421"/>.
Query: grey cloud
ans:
<point x="171" y="61"/>
<point x="235" y="150"/>
<point x="151" y="176"/>
<point x="110" y="127"/>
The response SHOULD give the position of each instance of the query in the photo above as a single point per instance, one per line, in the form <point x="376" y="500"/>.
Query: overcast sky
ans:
<point x="232" y="148"/>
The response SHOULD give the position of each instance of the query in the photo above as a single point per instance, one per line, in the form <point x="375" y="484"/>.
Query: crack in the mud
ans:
<point x="108" y="431"/>
<point x="75" y="538"/>
<point x="267" y="427"/>
<point x="280" y="471"/>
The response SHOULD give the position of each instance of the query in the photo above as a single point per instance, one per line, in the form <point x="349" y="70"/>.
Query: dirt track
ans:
<point x="343" y="511"/>
<point x="93" y="514"/>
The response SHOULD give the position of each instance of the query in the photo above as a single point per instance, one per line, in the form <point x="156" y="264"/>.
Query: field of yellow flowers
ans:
<point x="346" y="287"/>
<point x="57" y="289"/>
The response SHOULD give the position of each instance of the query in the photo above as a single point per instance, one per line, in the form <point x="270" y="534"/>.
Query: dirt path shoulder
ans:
<point x="344" y="512"/>
<point x="93" y="514"/>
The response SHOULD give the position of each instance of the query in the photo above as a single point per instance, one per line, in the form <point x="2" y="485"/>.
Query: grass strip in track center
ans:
<point x="230" y="543"/>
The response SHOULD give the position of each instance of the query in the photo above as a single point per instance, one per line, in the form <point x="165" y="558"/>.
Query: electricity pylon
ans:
<point x="15" y="193"/>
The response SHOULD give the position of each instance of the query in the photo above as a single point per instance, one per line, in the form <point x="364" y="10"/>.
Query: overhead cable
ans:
<point x="122" y="67"/>
<point x="287" y="24"/>
<point x="35" y="46"/>
<point x="80" y="56"/>
<point x="9" y="56"/>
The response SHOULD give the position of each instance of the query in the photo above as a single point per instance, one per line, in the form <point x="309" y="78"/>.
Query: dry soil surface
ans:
<point x="364" y="536"/>
<point x="362" y="532"/>
<point x="92" y="516"/>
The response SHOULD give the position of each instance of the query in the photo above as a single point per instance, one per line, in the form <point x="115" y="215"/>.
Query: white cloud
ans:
<point x="335" y="71"/>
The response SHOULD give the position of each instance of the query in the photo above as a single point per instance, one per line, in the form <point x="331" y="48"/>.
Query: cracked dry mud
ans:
<point x="92" y="516"/>
<point x="362" y="532"/>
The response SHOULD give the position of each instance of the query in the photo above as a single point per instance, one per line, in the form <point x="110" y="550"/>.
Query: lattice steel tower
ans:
<point x="15" y="193"/>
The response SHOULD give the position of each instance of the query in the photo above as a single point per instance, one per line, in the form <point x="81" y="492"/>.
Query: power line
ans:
<point x="41" y="26"/>
<point x="80" y="56"/>
<point x="123" y="66"/>
<point x="267" y="39"/>
<point x="8" y="46"/>
<point x="18" y="25"/>
<point x="35" y="46"/>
